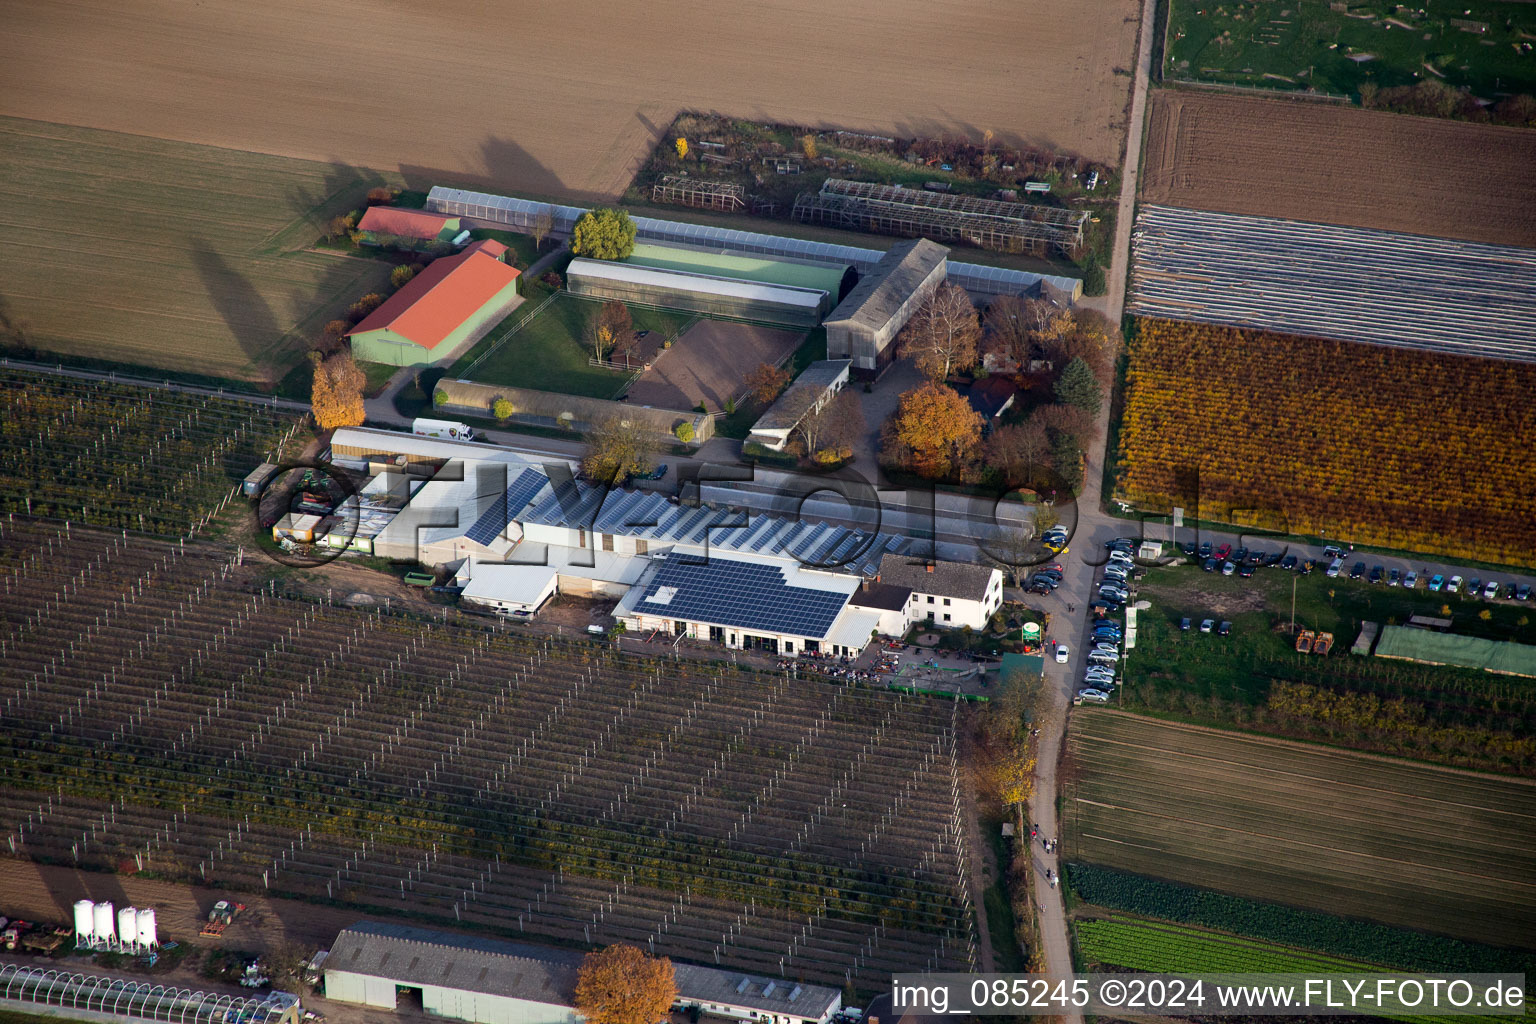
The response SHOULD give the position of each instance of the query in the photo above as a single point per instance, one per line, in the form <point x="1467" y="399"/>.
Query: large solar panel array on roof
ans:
<point x="520" y="213"/>
<point x="506" y="507"/>
<point x="747" y="595"/>
<point x="655" y="518"/>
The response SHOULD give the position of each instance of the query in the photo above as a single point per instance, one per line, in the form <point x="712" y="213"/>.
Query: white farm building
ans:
<point x="487" y="981"/>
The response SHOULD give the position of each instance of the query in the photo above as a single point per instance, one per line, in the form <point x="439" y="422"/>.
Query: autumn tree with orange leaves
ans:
<point x="934" y="431"/>
<point x="621" y="985"/>
<point x="336" y="392"/>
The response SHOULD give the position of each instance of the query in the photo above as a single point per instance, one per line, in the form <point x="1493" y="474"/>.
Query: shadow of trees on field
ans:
<point x="343" y="187"/>
<point x="242" y="308"/>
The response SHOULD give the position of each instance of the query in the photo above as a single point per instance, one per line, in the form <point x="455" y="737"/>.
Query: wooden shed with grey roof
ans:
<point x="455" y="976"/>
<point x="864" y="325"/>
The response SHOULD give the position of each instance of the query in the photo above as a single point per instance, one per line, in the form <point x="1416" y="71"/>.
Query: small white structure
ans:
<point x="148" y="938"/>
<point x="741" y="996"/>
<point x="128" y="928"/>
<point x="102" y="933"/>
<point x="814" y="388"/>
<point x="85" y="924"/>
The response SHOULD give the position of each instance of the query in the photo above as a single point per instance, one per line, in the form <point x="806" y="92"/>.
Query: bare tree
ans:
<point x="836" y="423"/>
<point x="540" y="226"/>
<point x="941" y="336"/>
<point x="1008" y="330"/>
<point x="1018" y="449"/>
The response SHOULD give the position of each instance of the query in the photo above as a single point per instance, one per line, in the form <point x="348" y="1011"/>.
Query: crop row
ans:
<point x="121" y="456"/>
<point x="1377" y="445"/>
<point x="163" y="712"/>
<point x="1170" y="949"/>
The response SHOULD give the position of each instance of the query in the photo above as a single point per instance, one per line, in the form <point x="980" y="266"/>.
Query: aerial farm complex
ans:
<point x="682" y="523"/>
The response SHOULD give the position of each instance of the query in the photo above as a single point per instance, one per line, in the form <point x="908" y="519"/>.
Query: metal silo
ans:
<point x="101" y="932"/>
<point x="147" y="936"/>
<point x="128" y="927"/>
<point x="85" y="923"/>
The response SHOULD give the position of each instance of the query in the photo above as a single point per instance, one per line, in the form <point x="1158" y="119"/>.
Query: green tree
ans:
<point x="401" y="276"/>
<point x="502" y="409"/>
<point x="684" y="432"/>
<point x="1078" y="387"/>
<point x="604" y="235"/>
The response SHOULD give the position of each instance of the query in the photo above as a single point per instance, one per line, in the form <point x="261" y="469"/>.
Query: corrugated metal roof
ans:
<point x="406" y="223"/>
<point x="879" y="296"/>
<point x="792" y="405"/>
<point x="703" y="284"/>
<point x="742" y="266"/>
<point x="438" y="300"/>
<point x="770" y="995"/>
<point x="416" y="956"/>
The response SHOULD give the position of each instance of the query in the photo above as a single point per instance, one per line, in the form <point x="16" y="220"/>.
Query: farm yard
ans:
<point x="1333" y="48"/>
<point x="1323" y="280"/>
<point x="1351" y="834"/>
<point x="709" y="362"/>
<point x="1432" y="447"/>
<point x="1256" y="679"/>
<point x="187" y="258"/>
<point x="113" y="455"/>
<point x="1340" y="165"/>
<point x="589" y="130"/>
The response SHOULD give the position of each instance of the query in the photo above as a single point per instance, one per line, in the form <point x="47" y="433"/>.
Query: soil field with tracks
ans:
<point x="563" y="99"/>
<point x="185" y="258"/>
<point x="1341" y="165"/>
<point x="1351" y="834"/>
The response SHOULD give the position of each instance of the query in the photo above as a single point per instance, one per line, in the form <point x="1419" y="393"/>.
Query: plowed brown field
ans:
<point x="1341" y="165"/>
<point x="561" y="98"/>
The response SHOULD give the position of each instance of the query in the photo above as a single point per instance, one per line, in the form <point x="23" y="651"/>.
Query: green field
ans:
<point x="128" y="249"/>
<point x="547" y="353"/>
<point x="1400" y="843"/>
<point x="1169" y="948"/>
<point x="1455" y="716"/>
<point x="1307" y="44"/>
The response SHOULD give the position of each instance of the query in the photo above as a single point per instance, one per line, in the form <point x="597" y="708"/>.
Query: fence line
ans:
<point x="1263" y="90"/>
<point x="521" y="323"/>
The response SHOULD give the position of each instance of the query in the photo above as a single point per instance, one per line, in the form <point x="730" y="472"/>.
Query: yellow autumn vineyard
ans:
<point x="1360" y="443"/>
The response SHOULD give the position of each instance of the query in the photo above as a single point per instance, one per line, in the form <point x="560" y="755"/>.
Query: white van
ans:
<point x="1334" y="568"/>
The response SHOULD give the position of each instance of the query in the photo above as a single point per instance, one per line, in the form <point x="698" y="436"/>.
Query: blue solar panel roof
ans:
<point x="746" y="595"/>
<point x="506" y="507"/>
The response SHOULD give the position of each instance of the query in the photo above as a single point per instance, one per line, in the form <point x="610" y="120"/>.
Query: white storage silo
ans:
<point x="101" y="933"/>
<point x="147" y="937"/>
<point x="128" y="927"/>
<point x="85" y="923"/>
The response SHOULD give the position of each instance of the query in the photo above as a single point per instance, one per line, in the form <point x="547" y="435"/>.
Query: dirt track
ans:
<point x="561" y="99"/>
<point x="1341" y="165"/>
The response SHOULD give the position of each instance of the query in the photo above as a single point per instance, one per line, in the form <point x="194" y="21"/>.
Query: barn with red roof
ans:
<point x="395" y="225"/>
<point x="451" y="304"/>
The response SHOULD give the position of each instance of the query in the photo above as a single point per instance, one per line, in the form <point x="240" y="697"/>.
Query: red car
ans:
<point x="1222" y="552"/>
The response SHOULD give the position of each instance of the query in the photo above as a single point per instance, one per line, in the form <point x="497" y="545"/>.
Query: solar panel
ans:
<point x="511" y="501"/>
<point x="746" y="595"/>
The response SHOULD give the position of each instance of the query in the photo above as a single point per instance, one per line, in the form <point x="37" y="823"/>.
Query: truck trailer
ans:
<point x="451" y="429"/>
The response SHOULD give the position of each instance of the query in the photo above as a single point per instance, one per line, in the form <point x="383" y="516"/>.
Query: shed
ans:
<point x="815" y="386"/>
<point x="256" y="479"/>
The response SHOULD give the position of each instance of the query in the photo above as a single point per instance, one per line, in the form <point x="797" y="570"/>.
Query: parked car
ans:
<point x="1223" y="628"/>
<point x="1062" y="654"/>
<point x="1334" y="568"/>
<point x="1394" y="578"/>
<point x="1475" y="587"/>
<point x="1357" y="570"/>
<point x="1205" y="550"/>
<point x="1410" y="580"/>
<point x="1240" y="555"/>
<point x="1436" y="583"/>
<point x="1184" y="624"/>
<point x="1289" y="563"/>
<point x="1509" y="591"/>
<point x="1377" y="574"/>
<point x="1332" y="551"/>
<point x="1227" y="568"/>
<point x="1523" y="593"/>
<point x="1206" y="625"/>
<point x="1491" y="591"/>
<point x="1097" y="696"/>
<point x="1246" y="571"/>
<point x="1454" y="586"/>
<point x="1222" y="552"/>
<point x="1275" y="559"/>
<point x="1209" y="565"/>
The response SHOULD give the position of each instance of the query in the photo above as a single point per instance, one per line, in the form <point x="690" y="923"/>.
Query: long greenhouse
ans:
<point x="700" y="293"/>
<point x="30" y="989"/>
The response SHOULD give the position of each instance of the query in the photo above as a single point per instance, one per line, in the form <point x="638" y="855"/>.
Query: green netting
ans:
<point x="1453" y="649"/>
